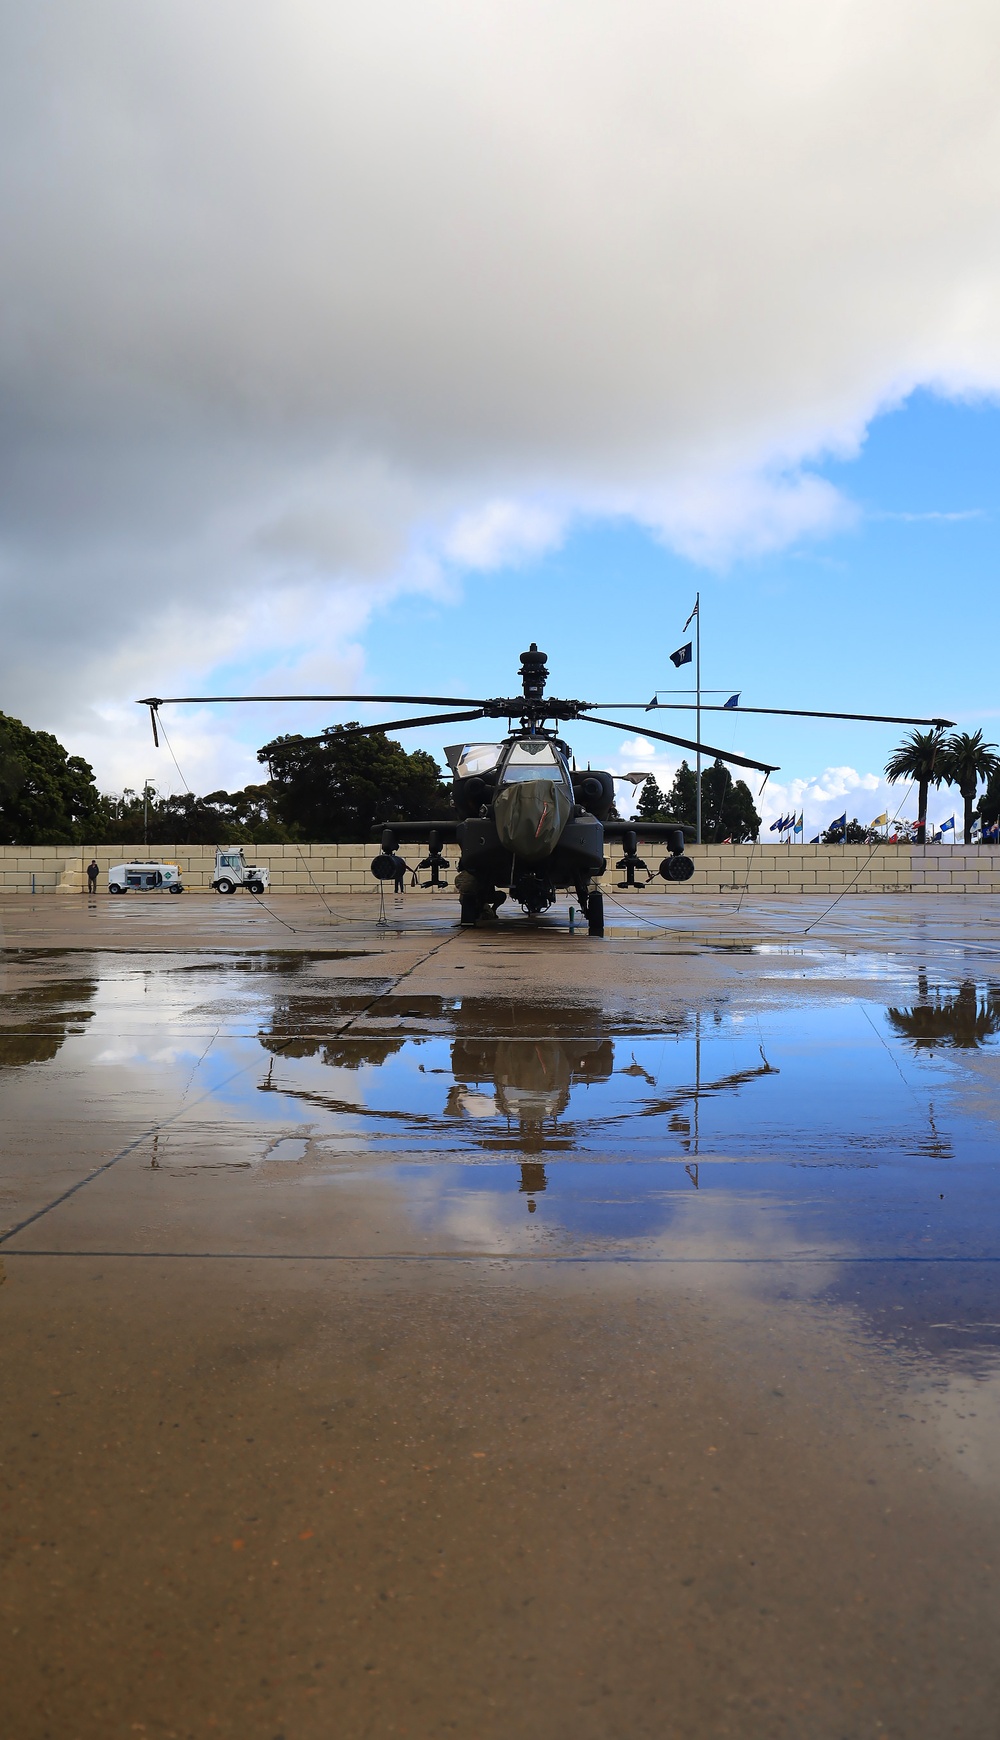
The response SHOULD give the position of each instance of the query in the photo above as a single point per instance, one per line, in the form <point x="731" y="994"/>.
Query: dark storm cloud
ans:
<point x="296" y="296"/>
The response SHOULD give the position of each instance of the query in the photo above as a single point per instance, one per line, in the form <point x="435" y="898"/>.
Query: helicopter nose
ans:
<point x="530" y="816"/>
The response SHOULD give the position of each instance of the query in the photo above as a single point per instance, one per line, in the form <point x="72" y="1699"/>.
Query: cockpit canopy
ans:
<point x="533" y="758"/>
<point x="472" y="760"/>
<point x="483" y="770"/>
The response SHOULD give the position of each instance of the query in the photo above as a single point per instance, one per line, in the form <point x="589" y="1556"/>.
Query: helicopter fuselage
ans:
<point x="525" y="822"/>
<point x="528" y="822"/>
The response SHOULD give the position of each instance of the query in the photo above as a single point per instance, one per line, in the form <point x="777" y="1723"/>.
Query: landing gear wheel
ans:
<point x="595" y="913"/>
<point x="225" y="886"/>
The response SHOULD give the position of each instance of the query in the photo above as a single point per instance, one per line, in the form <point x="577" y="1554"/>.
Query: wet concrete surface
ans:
<point x="412" y="1331"/>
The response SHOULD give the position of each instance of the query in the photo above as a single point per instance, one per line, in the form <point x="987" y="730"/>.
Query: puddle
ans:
<point x="287" y="962"/>
<point x="35" y="1023"/>
<point x="820" y="1132"/>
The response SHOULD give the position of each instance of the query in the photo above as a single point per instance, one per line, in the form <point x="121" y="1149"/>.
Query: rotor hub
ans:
<point x="534" y="673"/>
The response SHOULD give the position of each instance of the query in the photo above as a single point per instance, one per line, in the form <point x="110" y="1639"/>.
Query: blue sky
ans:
<point x="897" y="612"/>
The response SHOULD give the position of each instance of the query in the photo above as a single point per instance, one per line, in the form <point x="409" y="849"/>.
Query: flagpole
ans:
<point x="697" y="684"/>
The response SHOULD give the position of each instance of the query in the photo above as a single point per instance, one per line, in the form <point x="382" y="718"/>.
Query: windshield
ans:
<point x="476" y="758"/>
<point x="533" y="758"/>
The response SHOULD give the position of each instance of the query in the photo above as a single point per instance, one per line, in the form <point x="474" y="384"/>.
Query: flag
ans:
<point x="800" y="824"/>
<point x="881" y="821"/>
<point x="839" y="821"/>
<point x="682" y="656"/>
<point x="733" y="701"/>
<point x="950" y="823"/>
<point x="695" y="613"/>
<point x="777" y="826"/>
<point x="814" y="842"/>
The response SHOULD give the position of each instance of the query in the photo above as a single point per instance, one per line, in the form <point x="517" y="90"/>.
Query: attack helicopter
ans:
<point x="528" y="822"/>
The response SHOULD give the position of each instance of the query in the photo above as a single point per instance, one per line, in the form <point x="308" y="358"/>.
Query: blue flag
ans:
<point x="682" y="656"/>
<point x="733" y="701"/>
<point x="950" y="823"/>
<point x="841" y="821"/>
<point x="814" y="842"/>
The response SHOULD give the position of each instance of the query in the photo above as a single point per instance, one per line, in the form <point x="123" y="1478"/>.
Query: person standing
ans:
<point x="93" y="871"/>
<point x="400" y="867"/>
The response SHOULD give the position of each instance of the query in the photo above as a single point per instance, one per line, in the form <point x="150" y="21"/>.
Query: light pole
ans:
<point x="148" y="787"/>
<point x="697" y="683"/>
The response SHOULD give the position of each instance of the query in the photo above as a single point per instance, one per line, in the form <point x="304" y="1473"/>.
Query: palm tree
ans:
<point x="918" y="758"/>
<point x="964" y="761"/>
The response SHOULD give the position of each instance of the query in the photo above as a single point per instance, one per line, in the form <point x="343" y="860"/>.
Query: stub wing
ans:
<point x="652" y="832"/>
<point x="417" y="832"/>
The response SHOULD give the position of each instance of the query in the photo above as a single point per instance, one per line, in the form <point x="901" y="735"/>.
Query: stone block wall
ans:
<point x="343" y="869"/>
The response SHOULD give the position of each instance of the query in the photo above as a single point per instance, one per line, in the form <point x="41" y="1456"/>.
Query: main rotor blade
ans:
<point x="785" y="712"/>
<point x="685" y="743"/>
<point x="396" y="700"/>
<point x="387" y="725"/>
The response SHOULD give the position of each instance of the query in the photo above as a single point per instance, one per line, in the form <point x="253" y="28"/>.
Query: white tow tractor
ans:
<point x="141" y="874"/>
<point x="232" y="871"/>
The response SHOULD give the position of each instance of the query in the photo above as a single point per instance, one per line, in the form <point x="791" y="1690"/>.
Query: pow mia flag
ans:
<point x="682" y="656"/>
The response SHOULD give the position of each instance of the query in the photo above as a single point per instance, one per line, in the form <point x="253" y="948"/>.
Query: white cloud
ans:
<point x="500" y="533"/>
<point x="820" y="797"/>
<point x="829" y="794"/>
<point x="318" y="301"/>
<point x="716" y="519"/>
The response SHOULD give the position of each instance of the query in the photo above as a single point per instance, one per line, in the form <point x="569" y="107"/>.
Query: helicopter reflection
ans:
<point x="516" y="1070"/>
<point x="527" y="1082"/>
<point x="963" y="1018"/>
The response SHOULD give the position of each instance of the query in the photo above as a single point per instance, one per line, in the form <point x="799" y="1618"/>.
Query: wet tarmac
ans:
<point x="409" y="1331"/>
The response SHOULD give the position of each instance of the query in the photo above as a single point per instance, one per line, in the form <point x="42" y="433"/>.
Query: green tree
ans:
<point x="250" y="814"/>
<point x="965" y="761"/>
<point x="728" y="811"/>
<point x="727" y="806"/>
<point x="47" y="798"/>
<point x="652" y="805"/>
<point x="345" y="785"/>
<point x="919" y="758"/>
<point x="989" y="805"/>
<point x="682" y="796"/>
<point x="221" y="818"/>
